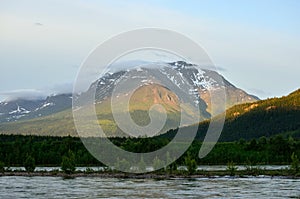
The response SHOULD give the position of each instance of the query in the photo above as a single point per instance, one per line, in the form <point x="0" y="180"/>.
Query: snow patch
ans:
<point x="45" y="105"/>
<point x="19" y="110"/>
<point x="139" y="69"/>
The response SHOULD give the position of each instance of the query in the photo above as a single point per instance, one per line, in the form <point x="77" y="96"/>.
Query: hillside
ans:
<point x="53" y="115"/>
<point x="250" y="120"/>
<point x="61" y="123"/>
<point x="262" y="118"/>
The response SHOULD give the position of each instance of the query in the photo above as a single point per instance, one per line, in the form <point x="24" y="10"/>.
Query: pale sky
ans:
<point x="256" y="44"/>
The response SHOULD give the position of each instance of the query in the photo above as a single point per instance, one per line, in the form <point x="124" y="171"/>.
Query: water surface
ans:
<point x="94" y="187"/>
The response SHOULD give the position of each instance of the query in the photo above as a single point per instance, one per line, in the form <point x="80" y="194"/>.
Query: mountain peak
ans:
<point x="182" y="76"/>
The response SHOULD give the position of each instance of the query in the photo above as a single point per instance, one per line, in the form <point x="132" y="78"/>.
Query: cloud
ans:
<point x="29" y="94"/>
<point x="34" y="94"/>
<point x="61" y="88"/>
<point x="221" y="69"/>
<point x="38" y="24"/>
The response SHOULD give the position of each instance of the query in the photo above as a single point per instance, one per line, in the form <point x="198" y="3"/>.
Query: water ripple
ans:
<point x="92" y="187"/>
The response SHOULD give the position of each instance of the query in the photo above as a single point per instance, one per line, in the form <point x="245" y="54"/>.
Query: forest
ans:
<point x="49" y="151"/>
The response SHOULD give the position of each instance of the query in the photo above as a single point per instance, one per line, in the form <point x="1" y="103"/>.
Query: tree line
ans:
<point x="17" y="150"/>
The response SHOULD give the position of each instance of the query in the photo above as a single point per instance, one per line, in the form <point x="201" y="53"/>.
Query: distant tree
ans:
<point x="295" y="165"/>
<point x="262" y="143"/>
<point x="291" y="143"/>
<point x="262" y="140"/>
<point x="68" y="163"/>
<point x="2" y="169"/>
<point x="142" y="165"/>
<point x="280" y="145"/>
<point x="231" y="168"/>
<point x="190" y="164"/>
<point x="252" y="145"/>
<point x="173" y="166"/>
<point x="242" y="141"/>
<point x="158" y="164"/>
<point x="122" y="165"/>
<point x="29" y="164"/>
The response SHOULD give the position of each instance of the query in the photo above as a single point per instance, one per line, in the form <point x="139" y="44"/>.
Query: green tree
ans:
<point x="2" y="169"/>
<point x="142" y="165"/>
<point x="295" y="165"/>
<point x="242" y="141"/>
<point x="122" y="165"/>
<point x="262" y="142"/>
<point x="231" y="168"/>
<point x="190" y="164"/>
<point x="173" y="166"/>
<point x="252" y="145"/>
<point x="280" y="145"/>
<point x="68" y="163"/>
<point x="29" y="164"/>
<point x="158" y="164"/>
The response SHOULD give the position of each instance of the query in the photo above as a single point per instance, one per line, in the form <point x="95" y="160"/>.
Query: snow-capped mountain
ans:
<point x="151" y="79"/>
<point x="21" y="109"/>
<point x="179" y="73"/>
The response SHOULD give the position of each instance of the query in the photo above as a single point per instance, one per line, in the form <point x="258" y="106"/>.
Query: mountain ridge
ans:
<point x="149" y="93"/>
<point x="267" y="118"/>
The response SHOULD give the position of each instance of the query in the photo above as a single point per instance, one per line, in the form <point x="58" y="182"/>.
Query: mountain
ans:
<point x="22" y="109"/>
<point x="53" y="116"/>
<point x="254" y="120"/>
<point x="201" y="81"/>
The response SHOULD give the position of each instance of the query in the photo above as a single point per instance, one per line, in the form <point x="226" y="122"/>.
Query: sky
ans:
<point x="255" y="44"/>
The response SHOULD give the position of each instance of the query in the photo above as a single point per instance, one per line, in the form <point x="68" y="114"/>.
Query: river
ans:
<point x="93" y="187"/>
<point x="202" y="167"/>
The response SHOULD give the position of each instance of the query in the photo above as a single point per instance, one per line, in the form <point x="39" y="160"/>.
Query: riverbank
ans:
<point x="159" y="175"/>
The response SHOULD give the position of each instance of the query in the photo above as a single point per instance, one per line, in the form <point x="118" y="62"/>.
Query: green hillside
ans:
<point x="61" y="124"/>
<point x="250" y="120"/>
<point x="262" y="118"/>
